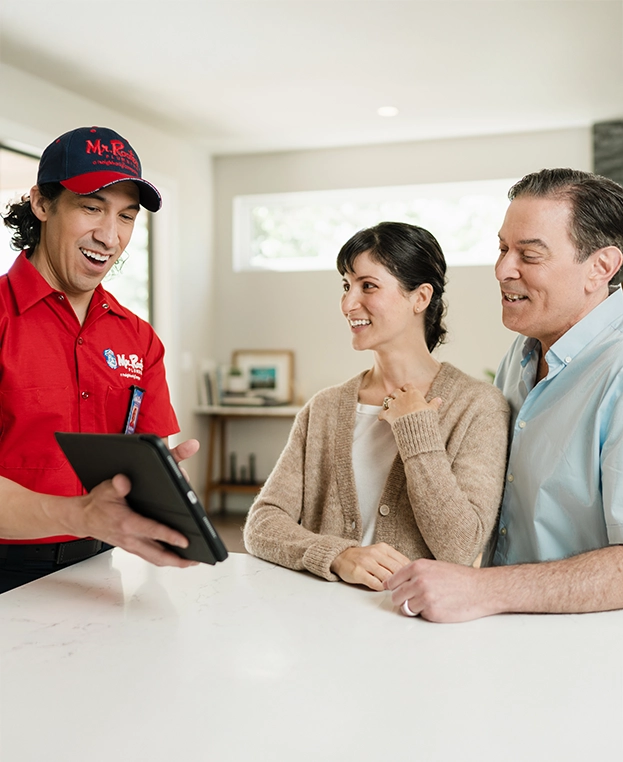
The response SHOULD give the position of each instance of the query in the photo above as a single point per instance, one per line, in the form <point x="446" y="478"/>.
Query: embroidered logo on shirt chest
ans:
<point x="130" y="366"/>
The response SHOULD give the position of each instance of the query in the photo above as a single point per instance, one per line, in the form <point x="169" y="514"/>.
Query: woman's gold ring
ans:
<point x="386" y="403"/>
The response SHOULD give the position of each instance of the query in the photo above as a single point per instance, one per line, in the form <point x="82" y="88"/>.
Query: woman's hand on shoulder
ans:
<point x="369" y="566"/>
<point x="407" y="399"/>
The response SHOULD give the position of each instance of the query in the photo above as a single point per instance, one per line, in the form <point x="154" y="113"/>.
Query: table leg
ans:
<point x="223" y="461"/>
<point x="213" y="433"/>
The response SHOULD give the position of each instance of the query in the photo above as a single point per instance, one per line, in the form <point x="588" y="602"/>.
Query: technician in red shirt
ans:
<point x="70" y="359"/>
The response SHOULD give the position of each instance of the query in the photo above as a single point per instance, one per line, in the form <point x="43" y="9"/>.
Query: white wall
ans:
<point x="300" y="311"/>
<point x="33" y="113"/>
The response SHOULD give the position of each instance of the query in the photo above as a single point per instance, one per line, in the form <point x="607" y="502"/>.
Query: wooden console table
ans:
<point x="217" y="442"/>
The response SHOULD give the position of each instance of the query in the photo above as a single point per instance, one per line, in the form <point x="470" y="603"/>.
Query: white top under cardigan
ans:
<point x="374" y="451"/>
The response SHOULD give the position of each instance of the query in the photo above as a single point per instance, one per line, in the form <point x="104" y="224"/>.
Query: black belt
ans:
<point x="59" y="553"/>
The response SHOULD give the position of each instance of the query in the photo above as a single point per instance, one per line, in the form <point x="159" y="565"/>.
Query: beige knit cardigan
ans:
<point x="441" y="497"/>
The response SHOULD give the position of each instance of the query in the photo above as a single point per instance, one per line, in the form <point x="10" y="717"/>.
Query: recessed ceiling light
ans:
<point x="387" y="111"/>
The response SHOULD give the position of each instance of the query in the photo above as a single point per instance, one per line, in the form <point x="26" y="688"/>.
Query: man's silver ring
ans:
<point x="406" y="610"/>
<point x="386" y="402"/>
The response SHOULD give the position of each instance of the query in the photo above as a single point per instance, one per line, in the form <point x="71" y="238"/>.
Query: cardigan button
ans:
<point x="384" y="510"/>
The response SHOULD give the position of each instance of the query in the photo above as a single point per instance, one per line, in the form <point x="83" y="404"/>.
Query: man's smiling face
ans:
<point x="83" y="236"/>
<point x="544" y="287"/>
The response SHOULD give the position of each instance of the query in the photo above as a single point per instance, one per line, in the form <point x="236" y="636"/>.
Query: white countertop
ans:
<point x="114" y="659"/>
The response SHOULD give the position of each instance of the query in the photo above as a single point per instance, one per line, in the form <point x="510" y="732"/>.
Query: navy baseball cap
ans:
<point x="91" y="158"/>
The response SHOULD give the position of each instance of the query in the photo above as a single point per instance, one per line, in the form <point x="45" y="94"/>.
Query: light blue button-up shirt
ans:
<point x="564" y="483"/>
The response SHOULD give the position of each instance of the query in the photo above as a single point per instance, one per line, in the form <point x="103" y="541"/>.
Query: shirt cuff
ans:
<point x="615" y="534"/>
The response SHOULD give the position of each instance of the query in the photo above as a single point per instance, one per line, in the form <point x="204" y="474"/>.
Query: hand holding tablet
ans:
<point x="159" y="489"/>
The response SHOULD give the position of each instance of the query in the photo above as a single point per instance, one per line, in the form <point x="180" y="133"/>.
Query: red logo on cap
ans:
<point x="116" y="152"/>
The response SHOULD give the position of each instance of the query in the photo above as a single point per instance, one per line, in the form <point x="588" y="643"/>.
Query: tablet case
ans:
<point x="159" y="489"/>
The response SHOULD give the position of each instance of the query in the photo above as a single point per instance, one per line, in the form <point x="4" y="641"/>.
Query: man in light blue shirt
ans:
<point x="564" y="485"/>
<point x="560" y="538"/>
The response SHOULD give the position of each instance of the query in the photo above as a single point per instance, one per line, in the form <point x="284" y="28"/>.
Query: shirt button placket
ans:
<point x="79" y="342"/>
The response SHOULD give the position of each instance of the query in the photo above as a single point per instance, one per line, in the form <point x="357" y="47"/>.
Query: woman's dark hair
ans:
<point x="413" y="256"/>
<point x="20" y="217"/>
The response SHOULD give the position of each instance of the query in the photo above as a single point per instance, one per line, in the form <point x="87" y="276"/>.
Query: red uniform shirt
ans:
<point x="56" y="375"/>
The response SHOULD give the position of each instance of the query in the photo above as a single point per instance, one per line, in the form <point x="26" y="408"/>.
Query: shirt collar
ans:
<point x="584" y="331"/>
<point x="579" y="335"/>
<point x="27" y="283"/>
<point x="101" y="298"/>
<point x="30" y="287"/>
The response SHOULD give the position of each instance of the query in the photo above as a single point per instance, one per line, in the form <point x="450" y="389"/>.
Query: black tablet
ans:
<point x="159" y="489"/>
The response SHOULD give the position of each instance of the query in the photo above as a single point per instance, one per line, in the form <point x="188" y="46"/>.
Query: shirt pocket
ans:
<point x="117" y="406"/>
<point x="28" y="419"/>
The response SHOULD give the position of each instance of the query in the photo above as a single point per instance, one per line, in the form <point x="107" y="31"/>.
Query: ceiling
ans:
<point x="259" y="75"/>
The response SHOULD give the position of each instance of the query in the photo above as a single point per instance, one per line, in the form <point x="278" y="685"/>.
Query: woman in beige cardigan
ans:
<point x="404" y="461"/>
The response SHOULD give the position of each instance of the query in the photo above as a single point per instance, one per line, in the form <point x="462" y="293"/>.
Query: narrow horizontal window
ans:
<point x="305" y="231"/>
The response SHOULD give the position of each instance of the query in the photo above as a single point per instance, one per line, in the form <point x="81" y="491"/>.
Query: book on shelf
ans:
<point x="208" y="387"/>
<point x="250" y="399"/>
<point x="242" y="399"/>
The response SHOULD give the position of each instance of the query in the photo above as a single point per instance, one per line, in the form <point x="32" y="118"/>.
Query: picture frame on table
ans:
<point x="269" y="373"/>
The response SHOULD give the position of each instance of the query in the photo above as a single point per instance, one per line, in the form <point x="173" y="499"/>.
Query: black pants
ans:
<point x="16" y="569"/>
